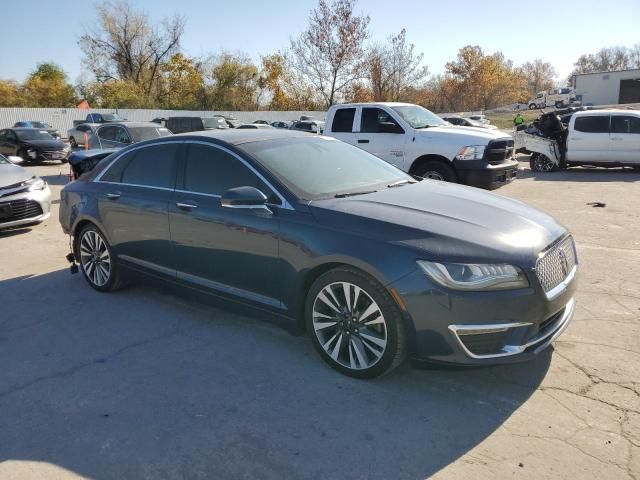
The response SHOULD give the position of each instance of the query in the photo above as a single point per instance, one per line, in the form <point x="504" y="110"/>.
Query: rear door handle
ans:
<point x="616" y="139"/>
<point x="186" y="205"/>
<point x="363" y="141"/>
<point x="114" y="195"/>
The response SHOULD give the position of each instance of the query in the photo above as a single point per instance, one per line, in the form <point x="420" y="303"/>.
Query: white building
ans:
<point x="608" y="88"/>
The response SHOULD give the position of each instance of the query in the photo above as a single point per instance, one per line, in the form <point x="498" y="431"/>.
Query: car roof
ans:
<point x="133" y="124"/>
<point x="236" y="136"/>
<point x="607" y="111"/>
<point x="374" y="104"/>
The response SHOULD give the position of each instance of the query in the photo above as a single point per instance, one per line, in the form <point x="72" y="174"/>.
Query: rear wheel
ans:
<point x="435" y="170"/>
<point x="532" y="106"/>
<point x="96" y="260"/>
<point x="355" y="324"/>
<point x="541" y="163"/>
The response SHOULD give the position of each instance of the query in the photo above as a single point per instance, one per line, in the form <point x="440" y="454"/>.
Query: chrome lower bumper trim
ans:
<point x="541" y="341"/>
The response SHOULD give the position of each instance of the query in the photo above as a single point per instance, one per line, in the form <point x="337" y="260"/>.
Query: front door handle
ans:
<point x="114" y="195"/>
<point x="363" y="141"/>
<point x="616" y="139"/>
<point x="186" y="205"/>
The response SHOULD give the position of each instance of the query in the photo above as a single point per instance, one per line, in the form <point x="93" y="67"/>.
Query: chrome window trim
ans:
<point x="139" y="186"/>
<point x="509" y="350"/>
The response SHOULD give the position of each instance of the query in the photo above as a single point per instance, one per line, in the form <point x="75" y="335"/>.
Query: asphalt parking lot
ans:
<point x="146" y="383"/>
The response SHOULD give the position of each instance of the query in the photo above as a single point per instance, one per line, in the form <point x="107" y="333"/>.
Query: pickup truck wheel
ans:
<point x="532" y="106"/>
<point x="437" y="171"/>
<point x="541" y="163"/>
<point x="559" y="105"/>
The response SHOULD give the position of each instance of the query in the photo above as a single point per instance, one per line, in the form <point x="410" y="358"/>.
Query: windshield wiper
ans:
<point x="399" y="183"/>
<point x="352" y="194"/>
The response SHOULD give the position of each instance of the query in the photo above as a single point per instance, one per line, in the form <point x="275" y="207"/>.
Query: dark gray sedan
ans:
<point x="326" y="237"/>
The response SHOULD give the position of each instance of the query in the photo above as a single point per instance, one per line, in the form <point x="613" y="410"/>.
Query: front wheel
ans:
<point x="96" y="260"/>
<point x="532" y="106"/>
<point x="437" y="171"/>
<point x="355" y="324"/>
<point x="541" y="163"/>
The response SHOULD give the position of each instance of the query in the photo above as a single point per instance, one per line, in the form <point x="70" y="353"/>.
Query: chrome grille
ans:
<point x="556" y="264"/>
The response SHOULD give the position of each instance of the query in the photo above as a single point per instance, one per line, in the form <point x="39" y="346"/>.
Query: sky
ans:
<point x="556" y="31"/>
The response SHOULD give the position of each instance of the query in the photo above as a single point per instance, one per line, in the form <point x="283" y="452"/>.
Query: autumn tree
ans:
<point x="47" y="86"/>
<point x="127" y="46"/>
<point x="11" y="94"/>
<point x="330" y="52"/>
<point x="393" y="67"/>
<point x="540" y="75"/>
<point x="282" y="87"/>
<point x="181" y="84"/>
<point x="231" y="82"/>
<point x="116" y="94"/>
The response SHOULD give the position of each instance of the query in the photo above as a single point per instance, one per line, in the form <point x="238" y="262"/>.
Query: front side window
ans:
<point x="213" y="171"/>
<point x="625" y="124"/>
<point x="592" y="124"/>
<point x="343" y="120"/>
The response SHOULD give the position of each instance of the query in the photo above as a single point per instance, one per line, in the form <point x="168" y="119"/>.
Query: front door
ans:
<point x="588" y="140"/>
<point x="133" y="203"/>
<point x="219" y="249"/>
<point x="381" y="135"/>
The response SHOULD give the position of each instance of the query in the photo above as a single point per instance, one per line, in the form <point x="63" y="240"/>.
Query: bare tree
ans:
<point x="606" y="60"/>
<point x="127" y="46"/>
<point x="393" y="67"/>
<point x="330" y="53"/>
<point x="540" y="75"/>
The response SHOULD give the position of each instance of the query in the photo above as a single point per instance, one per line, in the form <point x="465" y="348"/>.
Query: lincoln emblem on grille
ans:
<point x="564" y="262"/>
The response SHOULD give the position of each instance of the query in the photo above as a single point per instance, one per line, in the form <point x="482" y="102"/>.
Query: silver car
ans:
<point x="118" y="135"/>
<point x="24" y="197"/>
<point x="80" y="134"/>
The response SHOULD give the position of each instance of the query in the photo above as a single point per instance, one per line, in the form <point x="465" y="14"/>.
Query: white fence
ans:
<point x="62" y="118"/>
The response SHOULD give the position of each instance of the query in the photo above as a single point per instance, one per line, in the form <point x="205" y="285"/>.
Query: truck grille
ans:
<point x="498" y="151"/>
<point x="19" y="210"/>
<point x="556" y="263"/>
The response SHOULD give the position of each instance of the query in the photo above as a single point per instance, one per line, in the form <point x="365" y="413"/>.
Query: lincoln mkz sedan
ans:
<point x="376" y="266"/>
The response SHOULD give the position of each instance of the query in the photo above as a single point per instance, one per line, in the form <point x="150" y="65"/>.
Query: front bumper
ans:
<point x="482" y="328"/>
<point x="481" y="174"/>
<point x="25" y="208"/>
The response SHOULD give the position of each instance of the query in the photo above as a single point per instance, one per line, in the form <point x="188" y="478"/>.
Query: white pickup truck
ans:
<point x="605" y="138"/>
<point x="422" y="144"/>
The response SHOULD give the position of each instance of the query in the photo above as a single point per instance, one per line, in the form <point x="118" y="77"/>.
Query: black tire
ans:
<point x="389" y="321"/>
<point x="541" y="163"/>
<point x="25" y="156"/>
<point x="113" y="281"/>
<point x="73" y="143"/>
<point x="64" y="160"/>
<point x="436" y="170"/>
<point x="532" y="106"/>
<point x="559" y="105"/>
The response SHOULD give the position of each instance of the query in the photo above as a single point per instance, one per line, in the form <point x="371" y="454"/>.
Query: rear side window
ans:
<point x="152" y="166"/>
<point x="213" y="171"/>
<point x="625" y="124"/>
<point x="343" y="120"/>
<point x="592" y="124"/>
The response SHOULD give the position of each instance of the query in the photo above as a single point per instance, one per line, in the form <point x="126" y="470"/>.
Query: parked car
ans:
<point x="232" y="122"/>
<point x="422" y="144"/>
<point x="311" y="126"/>
<point x="466" y="122"/>
<point x="32" y="145"/>
<point x="24" y="198"/>
<point x="79" y="135"/>
<point x="480" y="118"/>
<point x="254" y="126"/>
<point x="377" y="266"/>
<point x="261" y="122"/>
<point x="54" y="132"/>
<point x="82" y="161"/>
<point x="100" y="118"/>
<point x="117" y="135"/>
<point x="194" y="124"/>
<point x="281" y="124"/>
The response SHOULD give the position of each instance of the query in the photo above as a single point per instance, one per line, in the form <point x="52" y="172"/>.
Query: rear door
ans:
<point x="343" y="123"/>
<point x="381" y="135"/>
<point x="588" y="139"/>
<point x="133" y="203"/>
<point x="625" y="138"/>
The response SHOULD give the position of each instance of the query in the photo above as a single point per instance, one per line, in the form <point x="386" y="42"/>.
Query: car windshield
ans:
<point x="111" y="117"/>
<point x="40" y="125"/>
<point x="214" y="122"/>
<point x="318" y="167"/>
<point x="418" y="117"/>
<point x="141" y="134"/>
<point x="33" y="135"/>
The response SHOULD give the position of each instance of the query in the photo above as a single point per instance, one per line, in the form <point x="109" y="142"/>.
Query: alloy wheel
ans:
<point x="95" y="258"/>
<point x="349" y="325"/>
<point x="434" y="176"/>
<point x="542" y="163"/>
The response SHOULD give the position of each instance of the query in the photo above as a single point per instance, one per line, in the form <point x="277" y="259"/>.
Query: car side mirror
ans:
<point x="244" y="197"/>
<point x="388" y="127"/>
<point x="16" y="160"/>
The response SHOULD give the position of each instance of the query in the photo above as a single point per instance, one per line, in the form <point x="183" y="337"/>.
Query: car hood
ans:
<point x="45" y="144"/>
<point x="445" y="221"/>
<point x="481" y="136"/>
<point x="11" y="174"/>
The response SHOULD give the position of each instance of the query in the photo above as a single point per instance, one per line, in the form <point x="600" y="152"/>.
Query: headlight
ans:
<point x="475" y="276"/>
<point x="36" y="184"/>
<point x="472" y="152"/>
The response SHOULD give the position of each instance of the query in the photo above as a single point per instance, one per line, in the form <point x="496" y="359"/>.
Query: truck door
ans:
<point x="342" y="125"/>
<point x="588" y="139"/>
<point x="381" y="135"/>
<point x="625" y="138"/>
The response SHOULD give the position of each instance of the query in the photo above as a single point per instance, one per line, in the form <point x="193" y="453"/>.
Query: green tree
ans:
<point x="117" y="94"/>
<point x="232" y="82"/>
<point x="47" y="86"/>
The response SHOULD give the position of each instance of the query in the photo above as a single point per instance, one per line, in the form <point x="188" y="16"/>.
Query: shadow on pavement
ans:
<point x="580" y="174"/>
<point x="146" y="383"/>
<point x="10" y="232"/>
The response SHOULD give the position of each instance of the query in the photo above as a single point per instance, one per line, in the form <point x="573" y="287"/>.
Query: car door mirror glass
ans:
<point x="243" y="197"/>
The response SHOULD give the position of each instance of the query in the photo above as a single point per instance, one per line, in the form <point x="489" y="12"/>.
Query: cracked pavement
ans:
<point x="151" y="383"/>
